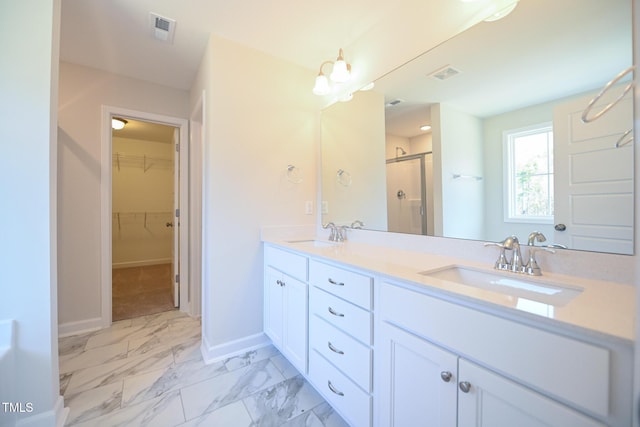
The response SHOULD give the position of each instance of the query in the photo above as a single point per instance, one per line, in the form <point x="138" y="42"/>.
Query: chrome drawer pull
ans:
<point x="333" y="282"/>
<point x="333" y="389"/>
<point x="332" y="348"/>
<point x="446" y="376"/>
<point x="335" y="313"/>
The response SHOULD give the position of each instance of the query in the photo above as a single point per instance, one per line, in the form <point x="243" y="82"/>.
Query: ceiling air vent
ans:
<point x="394" y="102"/>
<point x="162" y="28"/>
<point x="444" y="73"/>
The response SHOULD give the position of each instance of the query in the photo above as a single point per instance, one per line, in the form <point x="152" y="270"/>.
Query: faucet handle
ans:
<point x="502" y="263"/>
<point x="332" y="227"/>
<point x="532" y="268"/>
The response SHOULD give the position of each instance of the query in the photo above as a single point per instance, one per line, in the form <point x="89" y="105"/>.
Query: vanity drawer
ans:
<point x="561" y="366"/>
<point x="347" y="354"/>
<point x="350" y="318"/>
<point x="350" y="401"/>
<point x="349" y="285"/>
<point x="288" y="262"/>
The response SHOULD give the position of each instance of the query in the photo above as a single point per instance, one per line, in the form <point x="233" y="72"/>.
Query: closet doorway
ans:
<point x="145" y="239"/>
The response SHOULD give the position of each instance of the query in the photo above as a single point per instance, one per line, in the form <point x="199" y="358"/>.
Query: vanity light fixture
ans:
<point x="341" y="73"/>
<point x="117" y="123"/>
<point x="502" y="10"/>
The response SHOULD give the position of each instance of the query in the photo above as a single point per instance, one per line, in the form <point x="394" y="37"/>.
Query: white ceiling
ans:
<point x="115" y="35"/>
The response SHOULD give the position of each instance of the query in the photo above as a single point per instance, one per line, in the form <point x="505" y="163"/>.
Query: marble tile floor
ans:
<point x="148" y="371"/>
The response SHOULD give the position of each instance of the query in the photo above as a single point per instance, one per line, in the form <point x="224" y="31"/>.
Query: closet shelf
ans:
<point x="143" y="218"/>
<point x="140" y="161"/>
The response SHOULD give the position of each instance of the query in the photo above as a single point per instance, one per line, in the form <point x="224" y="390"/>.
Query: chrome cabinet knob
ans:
<point x="465" y="386"/>
<point x="446" y="376"/>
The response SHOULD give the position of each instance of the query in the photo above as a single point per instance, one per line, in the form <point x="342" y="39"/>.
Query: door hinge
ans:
<point x="177" y="278"/>
<point x="177" y="213"/>
<point x="178" y="147"/>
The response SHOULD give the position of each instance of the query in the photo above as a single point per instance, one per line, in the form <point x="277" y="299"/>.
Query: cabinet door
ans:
<point x="494" y="401"/>
<point x="417" y="384"/>
<point x="295" y="322"/>
<point x="273" y="305"/>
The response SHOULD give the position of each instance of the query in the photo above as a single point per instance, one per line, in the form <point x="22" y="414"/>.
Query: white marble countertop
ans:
<point x="600" y="307"/>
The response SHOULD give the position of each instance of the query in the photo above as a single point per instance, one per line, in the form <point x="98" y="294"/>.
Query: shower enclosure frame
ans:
<point x="423" y="186"/>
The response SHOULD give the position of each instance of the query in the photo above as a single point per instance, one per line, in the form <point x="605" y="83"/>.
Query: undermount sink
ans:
<point x="314" y="243"/>
<point x="507" y="283"/>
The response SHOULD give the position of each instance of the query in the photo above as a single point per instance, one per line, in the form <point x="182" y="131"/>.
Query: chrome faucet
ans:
<point x="536" y="236"/>
<point x="333" y="231"/>
<point x="341" y="233"/>
<point x="513" y="244"/>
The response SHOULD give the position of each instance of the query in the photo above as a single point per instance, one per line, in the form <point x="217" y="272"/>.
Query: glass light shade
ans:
<point x="340" y="72"/>
<point x="322" y="85"/>
<point x="118" y="124"/>
<point x="502" y="9"/>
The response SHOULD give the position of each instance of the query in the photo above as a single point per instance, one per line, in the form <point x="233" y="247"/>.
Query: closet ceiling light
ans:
<point x="341" y="73"/>
<point x="118" y="123"/>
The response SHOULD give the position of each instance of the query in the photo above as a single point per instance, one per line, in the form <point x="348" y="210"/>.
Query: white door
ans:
<point x="494" y="401"/>
<point x="593" y="179"/>
<point x="273" y="305"/>
<point x="295" y="322"/>
<point x="176" y="219"/>
<point x="417" y="382"/>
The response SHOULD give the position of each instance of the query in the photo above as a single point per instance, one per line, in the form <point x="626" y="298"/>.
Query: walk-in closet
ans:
<point x="143" y="182"/>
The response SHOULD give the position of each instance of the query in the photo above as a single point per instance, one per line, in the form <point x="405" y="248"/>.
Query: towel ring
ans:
<point x="294" y="174"/>
<point x="621" y="141"/>
<point x="344" y="178"/>
<point x="605" y="89"/>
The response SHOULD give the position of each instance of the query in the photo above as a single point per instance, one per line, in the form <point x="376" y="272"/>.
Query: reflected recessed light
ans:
<point x="425" y="127"/>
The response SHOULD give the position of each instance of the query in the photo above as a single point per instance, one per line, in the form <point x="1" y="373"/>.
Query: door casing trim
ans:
<point x="105" y="199"/>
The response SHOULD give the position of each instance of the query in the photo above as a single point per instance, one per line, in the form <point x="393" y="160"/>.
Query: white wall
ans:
<point x="353" y="139"/>
<point x="260" y="117"/>
<point x="29" y="34"/>
<point x="459" y="201"/>
<point x="83" y="92"/>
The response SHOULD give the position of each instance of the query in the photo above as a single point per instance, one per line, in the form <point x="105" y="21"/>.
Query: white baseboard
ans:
<point x="212" y="354"/>
<point x="79" y="327"/>
<point x="141" y="263"/>
<point x="56" y="416"/>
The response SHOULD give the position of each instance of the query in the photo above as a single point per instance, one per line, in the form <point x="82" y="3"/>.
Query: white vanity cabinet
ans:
<point x="439" y="363"/>
<point x="285" y="304"/>
<point x="340" y="339"/>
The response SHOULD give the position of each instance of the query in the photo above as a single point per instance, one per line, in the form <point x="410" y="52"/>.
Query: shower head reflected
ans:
<point x="402" y="152"/>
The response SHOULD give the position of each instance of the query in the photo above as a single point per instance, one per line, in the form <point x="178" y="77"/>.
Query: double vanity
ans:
<point x="397" y="337"/>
